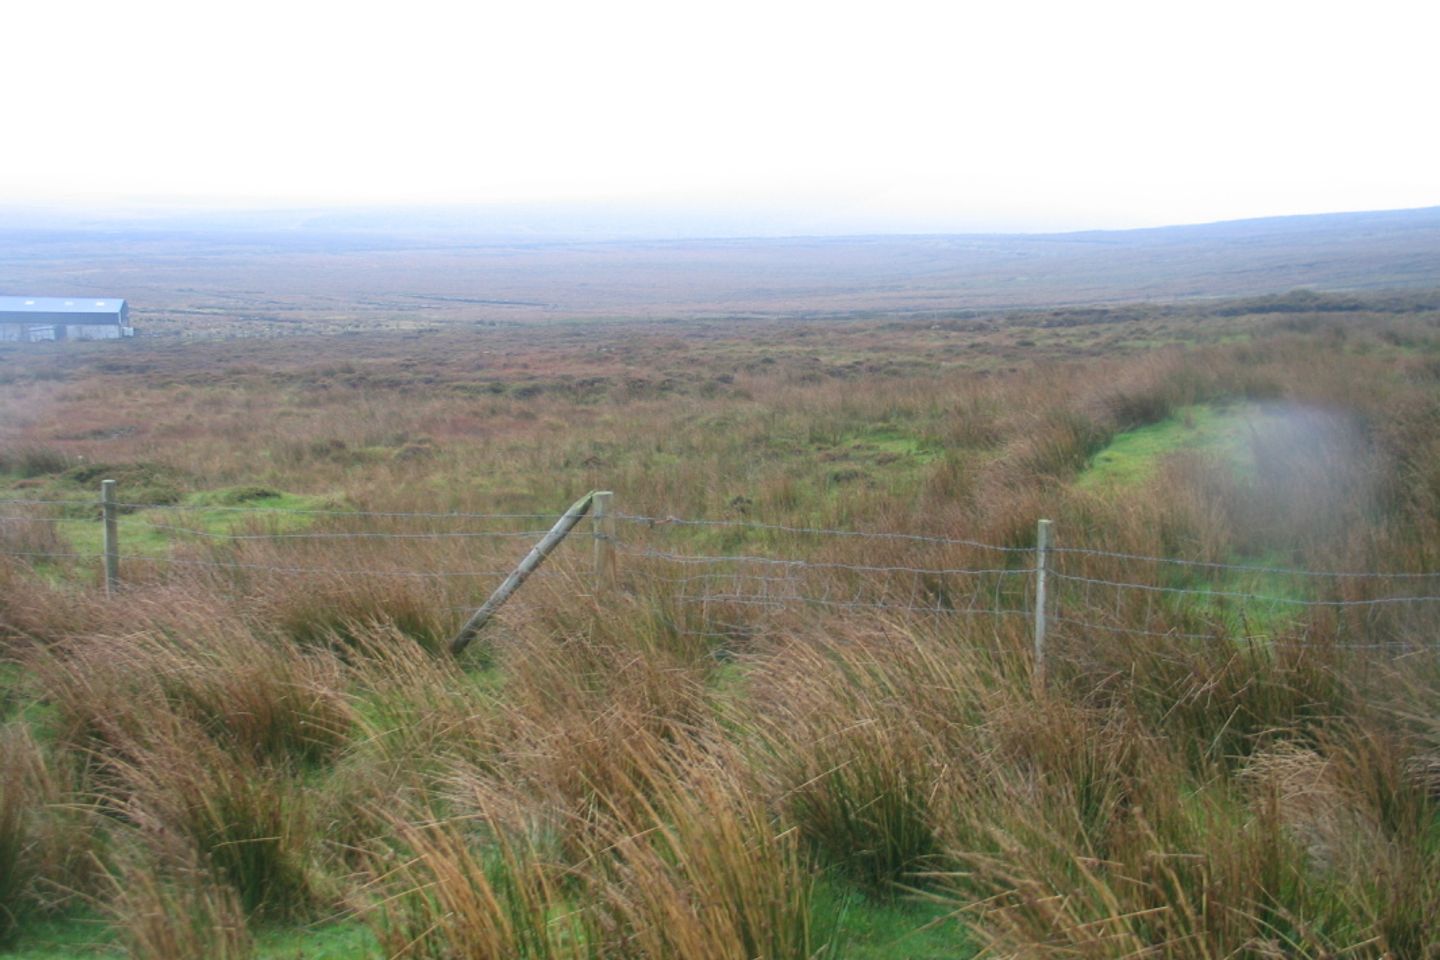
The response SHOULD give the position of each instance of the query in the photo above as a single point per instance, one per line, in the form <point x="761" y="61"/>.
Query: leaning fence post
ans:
<point x="602" y="522"/>
<point x="1042" y="551"/>
<point x="112" y="537"/>
<point x="532" y="560"/>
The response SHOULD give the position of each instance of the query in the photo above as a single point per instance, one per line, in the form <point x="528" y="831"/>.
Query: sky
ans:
<point x="896" y="115"/>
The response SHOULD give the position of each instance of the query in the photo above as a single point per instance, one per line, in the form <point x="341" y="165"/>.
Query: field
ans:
<point x="295" y="274"/>
<point x="804" y="720"/>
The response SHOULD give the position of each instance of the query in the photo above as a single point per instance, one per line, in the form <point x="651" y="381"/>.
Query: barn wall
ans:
<point x="93" y="332"/>
<point x="30" y="332"/>
<point x="87" y="318"/>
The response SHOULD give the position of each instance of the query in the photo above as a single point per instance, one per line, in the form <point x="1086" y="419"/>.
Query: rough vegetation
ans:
<point x="259" y="748"/>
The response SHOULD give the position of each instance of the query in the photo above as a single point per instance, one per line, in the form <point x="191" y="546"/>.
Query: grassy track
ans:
<point x="1226" y="433"/>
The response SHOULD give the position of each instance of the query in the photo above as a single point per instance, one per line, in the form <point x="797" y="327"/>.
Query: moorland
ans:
<point x="804" y="718"/>
<point x="299" y="272"/>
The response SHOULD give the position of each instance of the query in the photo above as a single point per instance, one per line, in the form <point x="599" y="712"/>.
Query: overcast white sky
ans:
<point x="916" y="116"/>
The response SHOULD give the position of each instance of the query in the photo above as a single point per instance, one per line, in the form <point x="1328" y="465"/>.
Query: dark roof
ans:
<point x="79" y="305"/>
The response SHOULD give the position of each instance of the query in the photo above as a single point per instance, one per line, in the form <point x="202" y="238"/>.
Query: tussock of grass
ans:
<point x="704" y="871"/>
<point x="196" y="803"/>
<point x="29" y="462"/>
<point x="49" y="840"/>
<point x="696" y="869"/>
<point x="852" y="768"/>
<point x="443" y="895"/>
<point x="250" y="692"/>
<point x="334" y="611"/>
<point x="179" y="918"/>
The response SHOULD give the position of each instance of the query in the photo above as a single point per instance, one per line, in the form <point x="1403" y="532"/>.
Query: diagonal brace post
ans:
<point x="529" y="565"/>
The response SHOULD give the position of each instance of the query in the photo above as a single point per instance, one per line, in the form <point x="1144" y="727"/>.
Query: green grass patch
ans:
<point x="1246" y="616"/>
<point x="20" y="701"/>
<point x="870" y="929"/>
<point x="1226" y="433"/>
<point x="153" y="531"/>
<point x="65" y="938"/>
<point x="331" y="941"/>
<point x="1132" y="457"/>
<point x="886" y="443"/>
<point x="88" y="936"/>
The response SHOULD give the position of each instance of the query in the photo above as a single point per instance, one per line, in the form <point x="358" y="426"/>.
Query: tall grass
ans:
<point x="337" y="610"/>
<point x="852" y="757"/>
<point x="1195" y="872"/>
<point x="194" y="801"/>
<point x="443" y="895"/>
<point x="697" y="868"/>
<point x="705" y="871"/>
<point x="50" y="845"/>
<point x="192" y="656"/>
<point x="17" y="866"/>
<point x="178" y="917"/>
<point x="33" y="461"/>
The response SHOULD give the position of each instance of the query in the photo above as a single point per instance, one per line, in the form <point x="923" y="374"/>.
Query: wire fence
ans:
<point x="442" y="562"/>
<point x="730" y="578"/>
<point x="1091" y="590"/>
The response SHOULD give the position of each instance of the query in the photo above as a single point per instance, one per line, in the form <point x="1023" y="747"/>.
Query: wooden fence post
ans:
<point x="532" y="561"/>
<point x="112" y="537"/>
<point x="1042" y="551"/>
<point x="602" y="521"/>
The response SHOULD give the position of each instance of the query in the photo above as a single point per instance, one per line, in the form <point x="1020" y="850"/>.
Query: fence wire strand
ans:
<point x="1244" y="567"/>
<point x="1239" y="595"/>
<point x="711" y="583"/>
<point x="817" y="531"/>
<point x="335" y="535"/>
<point x="243" y="508"/>
<point x="701" y="559"/>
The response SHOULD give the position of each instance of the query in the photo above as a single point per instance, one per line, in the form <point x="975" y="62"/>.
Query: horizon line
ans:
<point x="173" y="213"/>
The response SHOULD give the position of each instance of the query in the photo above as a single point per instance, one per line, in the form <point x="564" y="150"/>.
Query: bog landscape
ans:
<point x="809" y="681"/>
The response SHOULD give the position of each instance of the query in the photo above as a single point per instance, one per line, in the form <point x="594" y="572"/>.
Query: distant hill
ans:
<point x="369" y="266"/>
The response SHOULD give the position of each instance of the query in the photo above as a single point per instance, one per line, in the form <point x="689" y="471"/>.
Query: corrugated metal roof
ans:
<point x="108" y="306"/>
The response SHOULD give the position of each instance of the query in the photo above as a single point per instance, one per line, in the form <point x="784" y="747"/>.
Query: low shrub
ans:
<point x="27" y="462"/>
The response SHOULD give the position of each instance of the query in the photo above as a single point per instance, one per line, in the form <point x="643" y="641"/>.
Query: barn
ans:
<point x="32" y="319"/>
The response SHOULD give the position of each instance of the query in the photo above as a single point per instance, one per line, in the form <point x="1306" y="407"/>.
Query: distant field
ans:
<point x="220" y="281"/>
